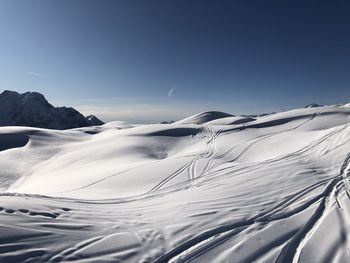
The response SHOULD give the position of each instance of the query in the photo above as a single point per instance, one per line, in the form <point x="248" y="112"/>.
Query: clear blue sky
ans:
<point x="155" y="60"/>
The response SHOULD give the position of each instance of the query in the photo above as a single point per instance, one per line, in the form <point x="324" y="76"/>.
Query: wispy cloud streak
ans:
<point x="171" y="92"/>
<point x="35" y="74"/>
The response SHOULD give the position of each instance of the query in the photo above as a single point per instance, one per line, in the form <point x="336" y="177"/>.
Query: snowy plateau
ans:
<point x="210" y="188"/>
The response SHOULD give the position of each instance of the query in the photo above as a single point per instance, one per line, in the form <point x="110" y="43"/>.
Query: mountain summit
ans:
<point x="32" y="109"/>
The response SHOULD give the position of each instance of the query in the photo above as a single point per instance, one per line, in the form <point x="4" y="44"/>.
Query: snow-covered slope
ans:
<point x="204" y="117"/>
<point x="274" y="189"/>
<point x="231" y="120"/>
<point x="32" y="109"/>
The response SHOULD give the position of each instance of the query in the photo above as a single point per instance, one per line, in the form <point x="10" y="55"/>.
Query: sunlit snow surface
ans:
<point x="274" y="189"/>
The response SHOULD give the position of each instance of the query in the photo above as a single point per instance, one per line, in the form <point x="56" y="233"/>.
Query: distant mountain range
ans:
<point x="32" y="109"/>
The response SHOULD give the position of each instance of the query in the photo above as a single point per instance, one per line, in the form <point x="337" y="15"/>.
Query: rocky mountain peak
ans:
<point x="32" y="109"/>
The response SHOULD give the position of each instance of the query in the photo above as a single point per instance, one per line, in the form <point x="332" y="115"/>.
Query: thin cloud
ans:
<point x="136" y="113"/>
<point x="171" y="92"/>
<point x="35" y="74"/>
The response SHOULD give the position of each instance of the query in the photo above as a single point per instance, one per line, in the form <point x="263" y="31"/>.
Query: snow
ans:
<point x="210" y="188"/>
<point x="231" y="120"/>
<point x="32" y="109"/>
<point x="204" y="117"/>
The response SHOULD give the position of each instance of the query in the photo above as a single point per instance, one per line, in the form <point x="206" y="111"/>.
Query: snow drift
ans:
<point x="204" y="117"/>
<point x="212" y="188"/>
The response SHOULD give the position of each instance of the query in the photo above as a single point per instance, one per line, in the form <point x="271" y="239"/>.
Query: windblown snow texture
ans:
<point x="210" y="188"/>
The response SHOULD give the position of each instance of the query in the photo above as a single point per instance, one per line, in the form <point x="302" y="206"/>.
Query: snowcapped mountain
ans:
<point x="32" y="109"/>
<point x="94" y="121"/>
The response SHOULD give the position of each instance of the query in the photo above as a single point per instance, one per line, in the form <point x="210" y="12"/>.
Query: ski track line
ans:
<point x="70" y="251"/>
<point x="190" y="166"/>
<point x="239" y="157"/>
<point x="173" y="175"/>
<point x="214" y="150"/>
<point x="288" y="156"/>
<point x="291" y="252"/>
<point x="167" y="179"/>
<point x="255" y="141"/>
<point x="293" y="248"/>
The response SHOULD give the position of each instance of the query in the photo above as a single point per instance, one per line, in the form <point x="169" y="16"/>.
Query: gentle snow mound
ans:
<point x="204" y="117"/>
<point x="231" y="120"/>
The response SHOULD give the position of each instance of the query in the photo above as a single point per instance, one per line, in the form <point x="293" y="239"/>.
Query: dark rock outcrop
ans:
<point x="33" y="110"/>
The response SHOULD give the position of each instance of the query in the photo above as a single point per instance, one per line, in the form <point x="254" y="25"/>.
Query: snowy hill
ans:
<point x="204" y="117"/>
<point x="33" y="110"/>
<point x="231" y="120"/>
<point x="269" y="189"/>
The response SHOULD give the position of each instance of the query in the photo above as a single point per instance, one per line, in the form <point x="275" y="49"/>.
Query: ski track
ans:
<point x="291" y="251"/>
<point x="200" y="227"/>
<point x="191" y="166"/>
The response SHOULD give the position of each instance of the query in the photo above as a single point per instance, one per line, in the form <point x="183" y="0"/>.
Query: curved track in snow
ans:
<point x="275" y="189"/>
